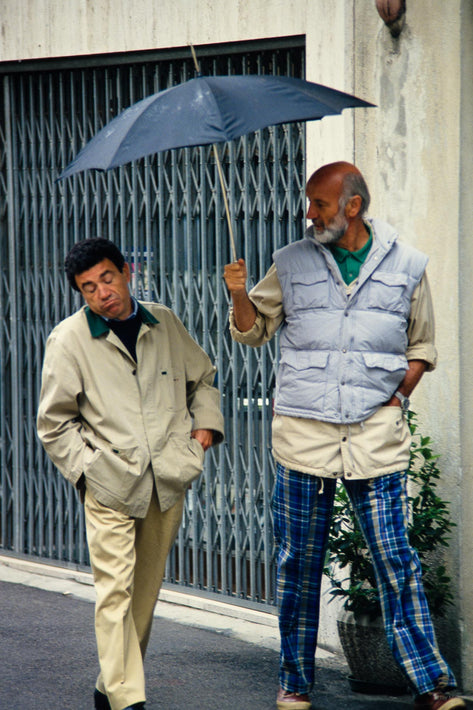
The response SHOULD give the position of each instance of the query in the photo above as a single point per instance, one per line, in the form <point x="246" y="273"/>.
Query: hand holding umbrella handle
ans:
<point x="235" y="275"/>
<point x="244" y="311"/>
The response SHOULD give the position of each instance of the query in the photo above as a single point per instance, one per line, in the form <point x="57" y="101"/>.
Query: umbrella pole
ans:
<point x="220" y="172"/>
<point x="227" y="209"/>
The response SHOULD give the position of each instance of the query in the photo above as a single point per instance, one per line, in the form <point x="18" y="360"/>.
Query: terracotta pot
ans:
<point x="371" y="663"/>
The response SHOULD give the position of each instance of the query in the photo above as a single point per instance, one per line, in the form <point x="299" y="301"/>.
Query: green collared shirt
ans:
<point x="350" y="262"/>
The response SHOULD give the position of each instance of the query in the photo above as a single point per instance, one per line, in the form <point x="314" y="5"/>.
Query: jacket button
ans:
<point x="133" y="372"/>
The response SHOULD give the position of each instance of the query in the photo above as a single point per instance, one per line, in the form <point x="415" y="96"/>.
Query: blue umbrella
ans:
<point x="207" y="110"/>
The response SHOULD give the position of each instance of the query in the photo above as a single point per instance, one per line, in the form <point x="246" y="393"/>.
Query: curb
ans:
<point x="170" y="596"/>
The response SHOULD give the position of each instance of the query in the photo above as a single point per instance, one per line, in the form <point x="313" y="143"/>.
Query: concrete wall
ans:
<point x="74" y="27"/>
<point x="414" y="149"/>
<point x="465" y="375"/>
<point x="414" y="153"/>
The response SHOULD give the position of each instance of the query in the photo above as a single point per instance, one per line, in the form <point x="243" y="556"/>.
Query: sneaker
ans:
<point x="289" y="700"/>
<point x="437" y="700"/>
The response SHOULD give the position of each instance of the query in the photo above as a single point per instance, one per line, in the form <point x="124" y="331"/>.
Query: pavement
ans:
<point x="203" y="654"/>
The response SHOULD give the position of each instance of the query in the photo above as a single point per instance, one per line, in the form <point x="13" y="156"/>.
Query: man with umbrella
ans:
<point x="357" y="335"/>
<point x="127" y="409"/>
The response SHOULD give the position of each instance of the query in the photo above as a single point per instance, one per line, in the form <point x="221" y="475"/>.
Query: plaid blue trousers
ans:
<point x="302" y="508"/>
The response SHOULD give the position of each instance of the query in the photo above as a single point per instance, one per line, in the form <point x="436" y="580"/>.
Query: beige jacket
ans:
<point x="122" y="423"/>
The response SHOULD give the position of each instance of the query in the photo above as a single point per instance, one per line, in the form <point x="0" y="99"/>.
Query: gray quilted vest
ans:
<point x="342" y="357"/>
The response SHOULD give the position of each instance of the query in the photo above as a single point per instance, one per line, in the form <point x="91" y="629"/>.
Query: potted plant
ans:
<point x="360" y="627"/>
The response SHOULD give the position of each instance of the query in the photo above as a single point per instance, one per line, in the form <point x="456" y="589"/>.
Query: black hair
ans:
<point x="86" y="254"/>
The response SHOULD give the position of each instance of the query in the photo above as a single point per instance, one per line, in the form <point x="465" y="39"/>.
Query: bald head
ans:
<point x="346" y="179"/>
<point x="334" y="172"/>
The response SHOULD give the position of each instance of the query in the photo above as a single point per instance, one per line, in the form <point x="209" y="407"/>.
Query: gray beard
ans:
<point x="331" y="235"/>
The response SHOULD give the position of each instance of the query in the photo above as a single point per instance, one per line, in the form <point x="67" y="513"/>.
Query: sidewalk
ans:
<point x="203" y="654"/>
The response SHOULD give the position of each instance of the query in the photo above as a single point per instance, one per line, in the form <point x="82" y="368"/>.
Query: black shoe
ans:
<point x="101" y="701"/>
<point x="136" y="706"/>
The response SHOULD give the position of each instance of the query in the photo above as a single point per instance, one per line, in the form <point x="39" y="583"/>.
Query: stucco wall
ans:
<point x="74" y="27"/>
<point x="410" y="149"/>
<point x="465" y="259"/>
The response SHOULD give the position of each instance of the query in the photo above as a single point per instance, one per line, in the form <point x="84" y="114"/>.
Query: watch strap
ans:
<point x="403" y="400"/>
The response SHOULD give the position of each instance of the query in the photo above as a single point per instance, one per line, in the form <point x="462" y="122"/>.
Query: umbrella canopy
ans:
<point x="206" y="110"/>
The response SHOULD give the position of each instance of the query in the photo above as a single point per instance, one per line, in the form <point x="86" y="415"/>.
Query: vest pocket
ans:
<point x="302" y="382"/>
<point x="305" y="359"/>
<point x="385" y="361"/>
<point x="310" y="290"/>
<point x="388" y="291"/>
<point x="384" y="372"/>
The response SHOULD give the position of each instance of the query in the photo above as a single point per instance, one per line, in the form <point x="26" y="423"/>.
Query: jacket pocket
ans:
<point x="180" y="462"/>
<point x="310" y="290"/>
<point x="113" y="470"/>
<point x="304" y="359"/>
<point x="388" y="292"/>
<point x="385" y="361"/>
<point x="302" y="382"/>
<point x="383" y="373"/>
<point x="386" y="440"/>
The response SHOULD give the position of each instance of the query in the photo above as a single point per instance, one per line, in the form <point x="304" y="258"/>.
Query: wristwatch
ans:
<point x="403" y="400"/>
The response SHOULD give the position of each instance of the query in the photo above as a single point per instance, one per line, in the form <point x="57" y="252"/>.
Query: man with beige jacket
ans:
<point x="357" y="334"/>
<point x="127" y="410"/>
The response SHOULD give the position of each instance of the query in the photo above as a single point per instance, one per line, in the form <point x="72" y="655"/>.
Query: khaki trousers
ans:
<point x="128" y="557"/>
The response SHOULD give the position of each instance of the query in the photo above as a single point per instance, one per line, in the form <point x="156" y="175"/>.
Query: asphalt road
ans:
<point x="48" y="662"/>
